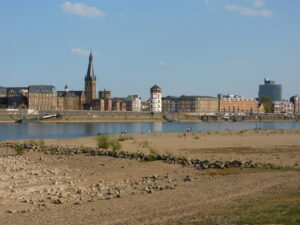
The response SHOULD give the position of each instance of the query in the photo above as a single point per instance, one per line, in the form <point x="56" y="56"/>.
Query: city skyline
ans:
<point x="138" y="44"/>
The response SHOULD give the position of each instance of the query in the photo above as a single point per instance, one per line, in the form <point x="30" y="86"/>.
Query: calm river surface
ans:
<point x="73" y="130"/>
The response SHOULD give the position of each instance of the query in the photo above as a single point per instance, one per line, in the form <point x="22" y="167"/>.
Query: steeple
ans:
<point x="90" y="82"/>
<point x="90" y="72"/>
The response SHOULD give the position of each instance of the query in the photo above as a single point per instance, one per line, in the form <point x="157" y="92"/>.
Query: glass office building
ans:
<point x="270" y="89"/>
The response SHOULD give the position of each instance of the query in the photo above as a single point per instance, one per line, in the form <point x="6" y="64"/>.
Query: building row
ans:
<point x="210" y="105"/>
<point x="46" y="97"/>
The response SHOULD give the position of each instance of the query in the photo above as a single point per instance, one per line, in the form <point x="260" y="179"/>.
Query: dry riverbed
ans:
<point x="78" y="189"/>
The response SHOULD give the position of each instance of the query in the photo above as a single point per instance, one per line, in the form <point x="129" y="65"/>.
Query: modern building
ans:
<point x="90" y="82"/>
<point x="270" y="89"/>
<point x="283" y="107"/>
<point x="155" y="99"/>
<point x="296" y="101"/>
<point x="237" y="104"/>
<point x="42" y="97"/>
<point x="198" y="104"/>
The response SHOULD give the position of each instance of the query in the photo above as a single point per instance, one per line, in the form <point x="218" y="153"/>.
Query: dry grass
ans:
<point x="274" y="208"/>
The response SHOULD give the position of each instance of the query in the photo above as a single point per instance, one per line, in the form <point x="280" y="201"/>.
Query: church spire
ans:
<point x="90" y="72"/>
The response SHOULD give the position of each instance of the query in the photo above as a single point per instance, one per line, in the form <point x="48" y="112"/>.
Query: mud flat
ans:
<point x="39" y="188"/>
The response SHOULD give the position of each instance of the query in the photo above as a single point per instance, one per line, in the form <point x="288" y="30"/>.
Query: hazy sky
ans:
<point x="192" y="47"/>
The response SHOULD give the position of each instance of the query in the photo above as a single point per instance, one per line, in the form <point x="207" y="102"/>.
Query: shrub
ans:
<point x="103" y="141"/>
<point x="115" y="144"/>
<point x="153" y="151"/>
<point x="19" y="150"/>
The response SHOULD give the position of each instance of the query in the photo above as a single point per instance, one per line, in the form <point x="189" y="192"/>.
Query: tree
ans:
<point x="267" y="103"/>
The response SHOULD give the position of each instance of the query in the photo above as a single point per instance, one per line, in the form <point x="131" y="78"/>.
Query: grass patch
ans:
<point x="276" y="208"/>
<point x="237" y="170"/>
<point x="19" y="150"/>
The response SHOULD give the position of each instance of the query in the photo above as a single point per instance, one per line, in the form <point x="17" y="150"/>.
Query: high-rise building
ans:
<point x="270" y="89"/>
<point x="90" y="82"/>
<point x="155" y="99"/>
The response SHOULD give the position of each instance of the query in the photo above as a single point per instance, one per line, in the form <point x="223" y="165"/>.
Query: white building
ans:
<point x="133" y="103"/>
<point x="283" y="107"/>
<point x="155" y="99"/>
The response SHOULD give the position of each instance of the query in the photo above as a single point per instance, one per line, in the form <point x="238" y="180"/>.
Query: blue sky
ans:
<point x="192" y="47"/>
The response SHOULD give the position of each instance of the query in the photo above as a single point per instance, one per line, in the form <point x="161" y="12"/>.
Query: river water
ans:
<point x="73" y="130"/>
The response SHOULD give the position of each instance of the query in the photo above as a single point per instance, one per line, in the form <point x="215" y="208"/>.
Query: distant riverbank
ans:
<point x="97" y="117"/>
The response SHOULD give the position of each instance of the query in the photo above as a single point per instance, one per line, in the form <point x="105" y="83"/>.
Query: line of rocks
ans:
<point x="74" y="150"/>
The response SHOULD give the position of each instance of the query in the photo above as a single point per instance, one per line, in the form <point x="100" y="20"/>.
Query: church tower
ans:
<point x="90" y="82"/>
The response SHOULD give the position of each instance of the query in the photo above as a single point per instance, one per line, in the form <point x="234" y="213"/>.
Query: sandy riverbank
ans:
<point x="51" y="189"/>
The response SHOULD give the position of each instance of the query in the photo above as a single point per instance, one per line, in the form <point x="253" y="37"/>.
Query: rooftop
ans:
<point x="41" y="89"/>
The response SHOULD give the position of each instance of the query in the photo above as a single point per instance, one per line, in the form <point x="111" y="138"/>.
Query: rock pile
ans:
<point x="197" y="163"/>
<point x="27" y="186"/>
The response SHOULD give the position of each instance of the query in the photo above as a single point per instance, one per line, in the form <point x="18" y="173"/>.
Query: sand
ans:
<point x="32" y="184"/>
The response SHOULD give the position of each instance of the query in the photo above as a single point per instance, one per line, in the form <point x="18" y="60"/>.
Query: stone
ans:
<point x="187" y="179"/>
<point x="57" y="201"/>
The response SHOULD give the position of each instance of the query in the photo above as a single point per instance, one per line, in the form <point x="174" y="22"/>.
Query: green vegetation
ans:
<point x="104" y="142"/>
<point x="267" y="103"/>
<point x="19" y="150"/>
<point x="153" y="155"/>
<point x="116" y="145"/>
<point x="275" y="208"/>
<point x="238" y="170"/>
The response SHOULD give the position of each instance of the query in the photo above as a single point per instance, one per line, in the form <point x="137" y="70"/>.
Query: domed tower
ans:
<point x="66" y="88"/>
<point x="90" y="82"/>
<point x="155" y="99"/>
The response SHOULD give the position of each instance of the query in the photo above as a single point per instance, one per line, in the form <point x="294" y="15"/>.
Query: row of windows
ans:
<point x="41" y="95"/>
<point x="41" y="99"/>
